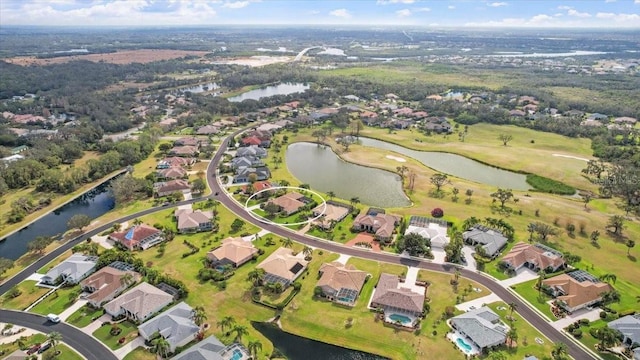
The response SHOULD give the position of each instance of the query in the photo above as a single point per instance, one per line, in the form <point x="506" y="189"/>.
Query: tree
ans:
<point x="586" y="198"/>
<point x="630" y="244"/>
<point x="78" y="221"/>
<point x="199" y="316"/>
<point x="468" y="192"/>
<point x="254" y="347"/>
<point x="497" y="355"/>
<point x="307" y="251"/>
<point x="512" y="334"/>
<point x="331" y="194"/>
<point x="571" y="228"/>
<point x="38" y="244"/>
<point x="5" y="264"/>
<point x="414" y="244"/>
<point x="512" y="307"/>
<point x="271" y="209"/>
<point x="73" y="295"/>
<point x="161" y="347"/>
<point x="127" y="279"/>
<point x="531" y="228"/>
<point x="354" y="200"/>
<point x="439" y="180"/>
<point x="453" y="249"/>
<point x="505" y="138"/>
<point x="320" y="135"/>
<point x="137" y="221"/>
<point x="502" y="195"/>
<point x="226" y="323"/>
<point x="236" y="225"/>
<point x="608" y="337"/>
<point x="541" y="276"/>
<point x="560" y="351"/>
<point x="544" y="231"/>
<point x="595" y="234"/>
<point x="345" y="143"/>
<point x="609" y="278"/>
<point x="256" y="276"/>
<point x="595" y="167"/>
<point x="54" y="338"/>
<point x="455" y="191"/>
<point x="240" y="331"/>
<point x="610" y="297"/>
<point x="402" y="170"/>
<point x="287" y="242"/>
<point x="198" y="186"/>
<point x="617" y="223"/>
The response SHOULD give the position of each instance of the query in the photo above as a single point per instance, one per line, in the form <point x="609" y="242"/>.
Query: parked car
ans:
<point x="53" y="318"/>
<point x="44" y="347"/>
<point x="32" y="350"/>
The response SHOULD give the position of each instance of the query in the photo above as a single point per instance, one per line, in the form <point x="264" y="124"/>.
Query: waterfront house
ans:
<point x="340" y="283"/>
<point x="253" y="151"/>
<point x="71" y="270"/>
<point x="330" y="213"/>
<point x="175" y="325"/>
<point x="378" y="223"/>
<point x="138" y="237"/>
<point x="429" y="228"/>
<point x="283" y="266"/>
<point x="212" y="349"/>
<point x="576" y="290"/>
<point x="490" y="239"/>
<point x="394" y="297"/>
<point x="482" y="327"/>
<point x="139" y="303"/>
<point x="232" y="251"/>
<point x="535" y="257"/>
<point x="290" y="203"/>
<point x="246" y="161"/>
<point x="165" y="188"/>
<point x="106" y="284"/>
<point x="243" y="175"/>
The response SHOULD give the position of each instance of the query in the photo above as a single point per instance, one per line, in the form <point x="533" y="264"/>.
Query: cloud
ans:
<point x="451" y="7"/>
<point x="619" y="18"/>
<point x="236" y="4"/>
<point x="636" y="1"/>
<point x="343" y="13"/>
<point x="541" y="18"/>
<point x="610" y="1"/>
<point x="576" y="13"/>
<point x="403" y="13"/>
<point x="497" y="4"/>
<point x="386" y="2"/>
<point x="422" y="9"/>
<point x="564" y="7"/>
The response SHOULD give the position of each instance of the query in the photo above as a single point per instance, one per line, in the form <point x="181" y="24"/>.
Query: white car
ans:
<point x="53" y="318"/>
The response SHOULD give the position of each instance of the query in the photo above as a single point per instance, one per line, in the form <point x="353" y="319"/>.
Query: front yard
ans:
<point x="84" y="316"/>
<point x="57" y="301"/>
<point x="141" y="353"/>
<point x="66" y="353"/>
<point x="129" y="331"/>
<point x="538" y="299"/>
<point x="29" y="293"/>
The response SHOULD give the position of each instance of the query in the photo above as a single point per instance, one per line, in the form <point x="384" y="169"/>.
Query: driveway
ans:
<point x="71" y="309"/>
<point x="523" y="275"/>
<point x="129" y="347"/>
<point x="477" y="303"/>
<point x="91" y="328"/>
<point x="410" y="280"/>
<point x="592" y="315"/>
<point x="468" y="252"/>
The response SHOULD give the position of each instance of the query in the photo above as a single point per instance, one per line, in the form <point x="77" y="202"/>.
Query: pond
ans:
<point x="93" y="203"/>
<point x="299" y="348"/>
<point x="323" y="170"/>
<point x="199" y="88"/>
<point x="458" y="166"/>
<point x="280" y="89"/>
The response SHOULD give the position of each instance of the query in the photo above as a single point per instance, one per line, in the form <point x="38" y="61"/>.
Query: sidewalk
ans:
<point x="477" y="303"/>
<point x="71" y="309"/>
<point x="89" y="329"/>
<point x="129" y="347"/>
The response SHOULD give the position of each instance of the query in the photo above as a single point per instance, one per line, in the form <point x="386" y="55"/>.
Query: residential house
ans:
<point x="267" y="128"/>
<point x="576" y="290"/>
<point x="283" y="267"/>
<point x="106" y="284"/>
<point x="190" y="221"/>
<point x="18" y="149"/>
<point x="439" y="125"/>
<point x="175" y="325"/>
<point x="625" y="120"/>
<point x="535" y="257"/>
<point x="139" y="237"/>
<point x="11" y="158"/>
<point x="403" y="112"/>
<point x="393" y="298"/>
<point x="139" y="303"/>
<point x="71" y="270"/>
<point x="251" y="141"/>
<point x="284" y="123"/>
<point x="433" y="229"/>
<point x="598" y="116"/>
<point x="594" y="123"/>
<point x="482" y="327"/>
<point x="253" y="151"/>
<point x="208" y="130"/>
<point x="574" y="113"/>
<point x="341" y="283"/>
<point x="517" y="113"/>
<point x="165" y="188"/>
<point x="187" y="141"/>
<point x="175" y="172"/>
<point x="259" y="188"/>
<point x="290" y="203"/>
<point x="243" y="174"/>
<point x="369" y="117"/>
<point x="329" y="213"/>
<point x="246" y="161"/>
<point x="212" y="349"/>
<point x="378" y="223"/>
<point x="232" y="251"/>
<point x="629" y="327"/>
<point x="175" y="161"/>
<point x="490" y="239"/>
<point x="184" y="151"/>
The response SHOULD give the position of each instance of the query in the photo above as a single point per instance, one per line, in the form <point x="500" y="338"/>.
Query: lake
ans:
<point x="323" y="170"/>
<point x="199" y="88"/>
<point x="458" y="166"/>
<point x="280" y="89"/>
<point x="299" y="348"/>
<point x="93" y="203"/>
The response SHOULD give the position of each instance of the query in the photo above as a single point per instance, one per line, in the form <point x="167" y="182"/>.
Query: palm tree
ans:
<point x="287" y="242"/>
<point x="609" y="297"/>
<point x="630" y="243"/>
<point x="54" y="338"/>
<point x="531" y="228"/>
<point x="609" y="277"/>
<point x="331" y="194"/>
<point x="541" y="276"/>
<point x="169" y="235"/>
<point x="199" y="316"/>
<point x="595" y="234"/>
<point x="240" y="331"/>
<point x="513" y="336"/>
<point x="608" y="337"/>
<point x="256" y="276"/>
<point x="512" y="307"/>
<point x="226" y="322"/>
<point x="307" y="251"/>
<point x="127" y="279"/>
<point x="161" y="347"/>
<point x="137" y="221"/>
<point x="254" y="347"/>
<point x="560" y="351"/>
<point x="354" y="200"/>
<point x="73" y="295"/>
<point x="117" y="227"/>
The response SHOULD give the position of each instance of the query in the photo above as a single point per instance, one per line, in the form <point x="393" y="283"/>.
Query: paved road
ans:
<point x="530" y="315"/>
<point x="86" y="345"/>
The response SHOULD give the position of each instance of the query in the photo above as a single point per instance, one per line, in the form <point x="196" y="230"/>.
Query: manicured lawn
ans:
<point x="30" y="293"/>
<point x="66" y="353"/>
<point x="129" y="331"/>
<point x="140" y="353"/>
<point x="538" y="299"/>
<point x="84" y="316"/>
<point x="526" y="344"/>
<point x="57" y="302"/>
<point x="6" y="349"/>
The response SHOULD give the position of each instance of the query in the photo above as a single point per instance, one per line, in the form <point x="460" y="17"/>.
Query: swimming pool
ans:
<point x="463" y="345"/>
<point x="237" y="354"/>
<point x="405" y="320"/>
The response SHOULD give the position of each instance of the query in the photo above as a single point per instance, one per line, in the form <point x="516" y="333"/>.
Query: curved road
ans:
<point x="523" y="309"/>
<point x="88" y="346"/>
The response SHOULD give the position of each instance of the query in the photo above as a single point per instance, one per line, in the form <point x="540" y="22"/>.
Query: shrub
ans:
<point x="577" y="333"/>
<point x="551" y="186"/>
<point x="603" y="314"/>
<point x="437" y="213"/>
<point x="584" y="322"/>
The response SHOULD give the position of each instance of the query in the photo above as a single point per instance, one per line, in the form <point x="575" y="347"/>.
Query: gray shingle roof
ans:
<point x="210" y="349"/>
<point x="492" y="240"/>
<point x="629" y="326"/>
<point x="175" y="325"/>
<point x="75" y="268"/>
<point x="482" y="326"/>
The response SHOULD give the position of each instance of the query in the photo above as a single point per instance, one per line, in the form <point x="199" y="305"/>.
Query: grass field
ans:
<point x="140" y="353"/>
<point x="84" y="316"/>
<point x="57" y="302"/>
<point x="30" y="293"/>
<point x="129" y="332"/>
<point x="539" y="300"/>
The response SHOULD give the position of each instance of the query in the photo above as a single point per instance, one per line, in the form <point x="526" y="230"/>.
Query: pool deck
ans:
<point x="452" y="336"/>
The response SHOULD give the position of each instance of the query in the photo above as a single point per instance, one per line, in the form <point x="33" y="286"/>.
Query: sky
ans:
<point x="612" y="14"/>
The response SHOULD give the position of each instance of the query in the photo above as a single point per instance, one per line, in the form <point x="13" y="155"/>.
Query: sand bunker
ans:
<point x="398" y="159"/>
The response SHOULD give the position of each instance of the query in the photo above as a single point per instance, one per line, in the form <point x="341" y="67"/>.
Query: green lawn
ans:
<point x="129" y="331"/>
<point x="538" y="299"/>
<point x="84" y="316"/>
<point x="30" y="293"/>
<point x="140" y="353"/>
<point x="57" y="302"/>
<point x="591" y="342"/>
<point x="66" y="353"/>
<point x="6" y="349"/>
